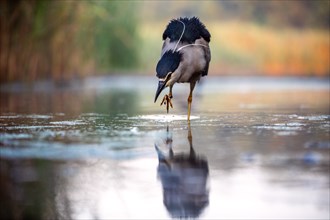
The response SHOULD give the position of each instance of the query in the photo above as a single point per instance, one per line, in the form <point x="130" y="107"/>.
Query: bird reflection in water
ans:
<point x="184" y="179"/>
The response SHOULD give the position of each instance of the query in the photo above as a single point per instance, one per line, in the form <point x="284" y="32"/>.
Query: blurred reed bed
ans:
<point x="32" y="45"/>
<point x="61" y="40"/>
<point x="251" y="49"/>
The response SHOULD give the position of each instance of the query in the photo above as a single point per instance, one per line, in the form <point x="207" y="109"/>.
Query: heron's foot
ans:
<point x="167" y="101"/>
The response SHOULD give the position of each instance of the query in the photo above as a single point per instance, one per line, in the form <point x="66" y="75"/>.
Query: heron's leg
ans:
<point x="192" y="86"/>
<point x="170" y="93"/>
<point x="170" y="96"/>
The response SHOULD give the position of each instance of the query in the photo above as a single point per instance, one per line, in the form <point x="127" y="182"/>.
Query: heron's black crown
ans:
<point x="194" y="29"/>
<point x="169" y="62"/>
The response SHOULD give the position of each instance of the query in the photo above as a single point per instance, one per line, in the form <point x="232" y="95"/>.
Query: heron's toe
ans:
<point x="167" y="101"/>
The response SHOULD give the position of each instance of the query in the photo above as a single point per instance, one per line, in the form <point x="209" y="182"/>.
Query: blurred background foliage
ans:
<point x="62" y="40"/>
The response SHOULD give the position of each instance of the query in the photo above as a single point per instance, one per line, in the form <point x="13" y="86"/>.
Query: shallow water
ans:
<point x="101" y="149"/>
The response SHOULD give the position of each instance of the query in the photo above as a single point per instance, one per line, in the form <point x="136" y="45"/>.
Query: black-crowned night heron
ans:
<point x="185" y="57"/>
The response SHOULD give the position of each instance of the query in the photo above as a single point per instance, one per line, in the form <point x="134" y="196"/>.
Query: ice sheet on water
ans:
<point x="292" y="124"/>
<point x="92" y="114"/>
<point x="5" y="136"/>
<point x="315" y="117"/>
<point x="306" y="117"/>
<point x="163" y="117"/>
<point x="75" y="122"/>
<point x="283" y="129"/>
<point x="33" y="116"/>
<point x="286" y="133"/>
<point x="130" y="131"/>
<point x="111" y="148"/>
<point x="32" y="127"/>
<point x="279" y="127"/>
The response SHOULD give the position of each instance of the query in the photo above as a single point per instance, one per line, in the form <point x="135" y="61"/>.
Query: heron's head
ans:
<point x="166" y="66"/>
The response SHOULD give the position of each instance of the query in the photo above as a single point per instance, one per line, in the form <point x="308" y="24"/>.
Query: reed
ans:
<point x="62" y="40"/>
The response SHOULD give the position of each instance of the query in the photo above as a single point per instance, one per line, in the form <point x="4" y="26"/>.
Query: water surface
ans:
<point x="256" y="148"/>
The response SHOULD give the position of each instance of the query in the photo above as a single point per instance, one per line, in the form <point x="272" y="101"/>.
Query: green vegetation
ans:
<point x="115" y="36"/>
<point x="61" y="40"/>
<point x="66" y="39"/>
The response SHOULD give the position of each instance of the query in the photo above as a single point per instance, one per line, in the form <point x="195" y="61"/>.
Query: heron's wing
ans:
<point x="207" y="54"/>
<point x="208" y="59"/>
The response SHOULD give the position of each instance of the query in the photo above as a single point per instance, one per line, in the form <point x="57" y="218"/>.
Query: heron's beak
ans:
<point x="161" y="86"/>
